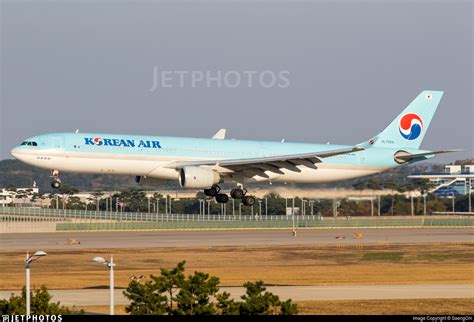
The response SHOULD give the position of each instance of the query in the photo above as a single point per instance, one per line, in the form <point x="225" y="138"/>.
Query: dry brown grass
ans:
<point x="408" y="306"/>
<point x="280" y="265"/>
<point x="362" y="307"/>
<point x="102" y="309"/>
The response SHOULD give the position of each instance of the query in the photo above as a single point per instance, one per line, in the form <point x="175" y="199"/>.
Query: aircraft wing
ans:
<point x="257" y="166"/>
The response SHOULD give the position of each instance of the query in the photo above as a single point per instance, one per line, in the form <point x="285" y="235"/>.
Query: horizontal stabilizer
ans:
<point x="409" y="157"/>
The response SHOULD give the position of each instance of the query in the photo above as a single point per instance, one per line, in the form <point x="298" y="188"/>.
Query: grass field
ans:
<point x="276" y="265"/>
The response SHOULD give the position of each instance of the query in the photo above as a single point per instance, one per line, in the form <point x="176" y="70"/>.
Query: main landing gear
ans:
<point x="56" y="183"/>
<point x="236" y="193"/>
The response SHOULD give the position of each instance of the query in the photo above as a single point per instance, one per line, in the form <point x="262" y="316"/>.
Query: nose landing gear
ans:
<point x="56" y="183"/>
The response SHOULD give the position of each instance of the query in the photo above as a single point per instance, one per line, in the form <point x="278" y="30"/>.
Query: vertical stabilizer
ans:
<point x="408" y="129"/>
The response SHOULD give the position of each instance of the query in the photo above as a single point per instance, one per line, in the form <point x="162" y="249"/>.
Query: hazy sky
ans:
<point x="352" y="67"/>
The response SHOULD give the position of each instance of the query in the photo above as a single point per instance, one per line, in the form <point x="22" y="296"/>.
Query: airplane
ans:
<point x="204" y="163"/>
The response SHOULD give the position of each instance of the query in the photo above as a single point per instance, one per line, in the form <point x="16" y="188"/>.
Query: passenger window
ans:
<point x="34" y="143"/>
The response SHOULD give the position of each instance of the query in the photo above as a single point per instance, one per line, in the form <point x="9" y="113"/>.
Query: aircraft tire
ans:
<point x="222" y="198"/>
<point x="248" y="200"/>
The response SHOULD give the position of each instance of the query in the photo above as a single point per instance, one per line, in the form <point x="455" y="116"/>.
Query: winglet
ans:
<point x="220" y="135"/>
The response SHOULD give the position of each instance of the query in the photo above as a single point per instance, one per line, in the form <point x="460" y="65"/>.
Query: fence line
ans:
<point x="45" y="214"/>
<point x="141" y="220"/>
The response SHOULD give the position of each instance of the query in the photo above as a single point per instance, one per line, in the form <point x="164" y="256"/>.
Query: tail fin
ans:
<point x="408" y="129"/>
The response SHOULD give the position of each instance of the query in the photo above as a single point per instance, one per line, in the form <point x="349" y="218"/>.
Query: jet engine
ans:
<point x="198" y="177"/>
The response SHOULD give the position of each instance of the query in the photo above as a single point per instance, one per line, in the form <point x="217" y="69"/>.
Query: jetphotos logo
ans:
<point x="123" y="143"/>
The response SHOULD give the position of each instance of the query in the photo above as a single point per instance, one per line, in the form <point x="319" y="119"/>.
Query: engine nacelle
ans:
<point x="197" y="177"/>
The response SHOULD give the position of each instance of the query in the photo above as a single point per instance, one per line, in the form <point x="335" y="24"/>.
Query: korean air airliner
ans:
<point x="203" y="163"/>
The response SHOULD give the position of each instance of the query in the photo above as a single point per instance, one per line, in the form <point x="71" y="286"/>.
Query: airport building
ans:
<point x="456" y="180"/>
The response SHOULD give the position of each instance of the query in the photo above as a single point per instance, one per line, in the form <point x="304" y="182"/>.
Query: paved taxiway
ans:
<point x="45" y="241"/>
<point x="85" y="297"/>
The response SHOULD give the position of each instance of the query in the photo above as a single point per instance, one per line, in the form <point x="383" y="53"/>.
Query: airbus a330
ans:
<point x="204" y="163"/>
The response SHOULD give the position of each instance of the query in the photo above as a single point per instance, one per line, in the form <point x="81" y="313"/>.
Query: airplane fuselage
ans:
<point x="147" y="156"/>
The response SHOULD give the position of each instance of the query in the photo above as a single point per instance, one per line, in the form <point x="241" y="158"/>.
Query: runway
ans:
<point x="86" y="297"/>
<point x="110" y="240"/>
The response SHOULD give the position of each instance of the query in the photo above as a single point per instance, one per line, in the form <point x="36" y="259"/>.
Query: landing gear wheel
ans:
<point x="55" y="184"/>
<point x="248" y="200"/>
<point x="212" y="191"/>
<point x="222" y="198"/>
<point x="237" y="193"/>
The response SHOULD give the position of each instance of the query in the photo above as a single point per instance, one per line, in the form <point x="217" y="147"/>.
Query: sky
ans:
<point x="343" y="69"/>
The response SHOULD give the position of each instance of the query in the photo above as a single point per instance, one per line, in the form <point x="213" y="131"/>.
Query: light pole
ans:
<point x="293" y="231"/>
<point x="378" y="205"/>
<point x="424" y="204"/>
<point x="453" y="200"/>
<point x="201" y="207"/>
<point x="266" y="207"/>
<point x="469" y="195"/>
<point x="28" y="261"/>
<point x="110" y="264"/>
<point x="209" y="209"/>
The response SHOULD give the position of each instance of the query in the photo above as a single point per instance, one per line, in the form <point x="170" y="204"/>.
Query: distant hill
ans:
<point x="17" y="174"/>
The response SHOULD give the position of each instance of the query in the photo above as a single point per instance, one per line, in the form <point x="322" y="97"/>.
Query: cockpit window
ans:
<point x="30" y="143"/>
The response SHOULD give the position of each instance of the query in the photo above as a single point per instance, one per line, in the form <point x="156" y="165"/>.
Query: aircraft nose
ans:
<point x="14" y="152"/>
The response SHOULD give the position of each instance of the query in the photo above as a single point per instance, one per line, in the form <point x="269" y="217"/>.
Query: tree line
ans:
<point x="136" y="200"/>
